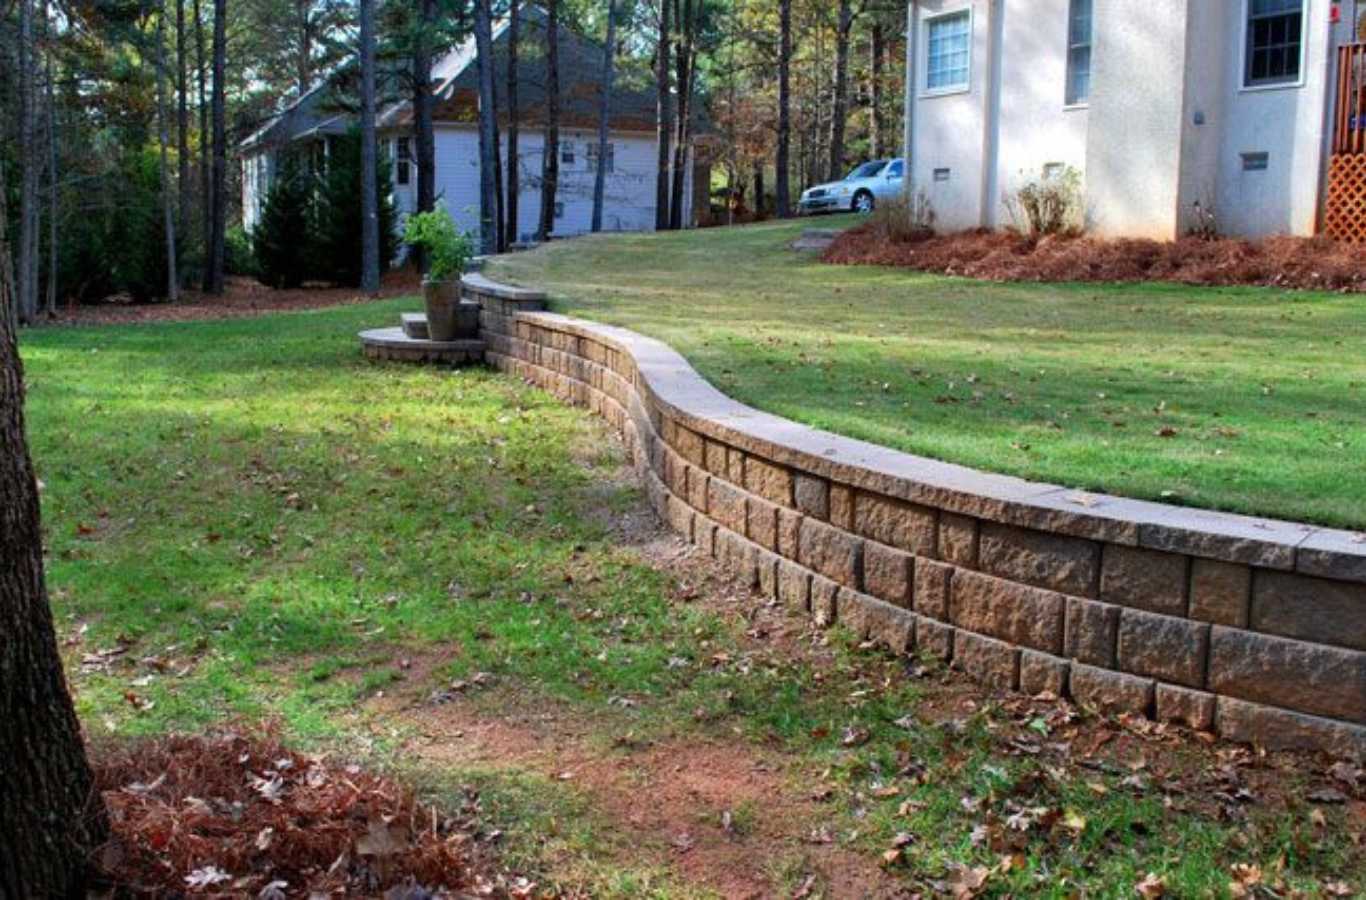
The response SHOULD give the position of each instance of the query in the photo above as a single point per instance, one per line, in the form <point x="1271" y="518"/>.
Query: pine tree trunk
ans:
<point x="514" y="174"/>
<point x="424" y="137"/>
<point x="604" y="115"/>
<point x="664" y="105"/>
<point x="50" y="306"/>
<point x="783" y="162"/>
<point x="875" y="126"/>
<point x="839" y="107"/>
<point x="205" y="200"/>
<point x="182" y="121"/>
<point x="303" y="65"/>
<point x="52" y="820"/>
<point x="28" y="175"/>
<point x="550" y="159"/>
<point x="164" y="139"/>
<point x="687" y="58"/>
<point x="213" y="277"/>
<point x="759" y="190"/>
<point x="369" y="194"/>
<point x="488" y="151"/>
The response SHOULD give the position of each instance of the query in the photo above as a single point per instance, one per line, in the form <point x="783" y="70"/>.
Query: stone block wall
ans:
<point x="1254" y="629"/>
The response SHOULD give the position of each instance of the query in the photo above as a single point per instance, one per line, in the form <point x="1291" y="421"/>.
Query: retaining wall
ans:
<point x="1252" y="628"/>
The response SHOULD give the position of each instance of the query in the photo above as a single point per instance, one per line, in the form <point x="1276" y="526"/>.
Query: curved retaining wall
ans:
<point x="1252" y="628"/>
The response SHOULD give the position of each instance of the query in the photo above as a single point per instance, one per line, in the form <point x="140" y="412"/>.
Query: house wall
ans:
<point x="256" y="171"/>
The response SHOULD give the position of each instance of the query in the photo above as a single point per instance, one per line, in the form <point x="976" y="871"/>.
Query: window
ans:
<point x="1079" y="52"/>
<point x="1274" y="42"/>
<point x="895" y="170"/>
<point x="593" y="157"/>
<point x="942" y="174"/>
<point x="566" y="153"/>
<point x="947" y="52"/>
<point x="559" y="210"/>
<point x="1256" y="162"/>
<point x="403" y="161"/>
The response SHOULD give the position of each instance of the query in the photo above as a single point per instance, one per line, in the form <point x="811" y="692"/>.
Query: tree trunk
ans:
<point x="514" y="165"/>
<point x="52" y="820"/>
<point x="664" y="104"/>
<point x="303" y="65"/>
<point x="550" y="160"/>
<point x="50" y="306"/>
<point x="839" y="107"/>
<point x="875" y="126"/>
<point x="182" y="121"/>
<point x="213" y="275"/>
<point x="423" y="132"/>
<point x="604" y="115"/>
<point x="759" y="190"/>
<point x="685" y="63"/>
<point x="164" y="139"/>
<point x="783" y="163"/>
<point x="488" y="151"/>
<point x="28" y="175"/>
<point x="205" y="200"/>
<point x="369" y="194"/>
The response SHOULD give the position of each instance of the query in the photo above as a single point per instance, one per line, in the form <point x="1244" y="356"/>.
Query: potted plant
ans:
<point x="447" y="251"/>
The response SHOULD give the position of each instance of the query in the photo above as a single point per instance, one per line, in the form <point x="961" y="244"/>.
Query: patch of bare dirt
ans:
<point x="1288" y="262"/>
<point x="241" y="297"/>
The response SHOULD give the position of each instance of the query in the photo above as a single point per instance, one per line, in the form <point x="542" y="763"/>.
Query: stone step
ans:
<point x="415" y="325"/>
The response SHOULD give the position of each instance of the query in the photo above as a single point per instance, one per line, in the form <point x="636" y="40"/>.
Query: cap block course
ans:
<point x="1250" y="627"/>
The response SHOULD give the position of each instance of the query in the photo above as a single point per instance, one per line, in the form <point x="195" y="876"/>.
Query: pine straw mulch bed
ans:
<point x="237" y="814"/>
<point x="1286" y="262"/>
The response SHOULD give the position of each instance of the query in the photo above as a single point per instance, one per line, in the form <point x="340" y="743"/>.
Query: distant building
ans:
<point x="1240" y="106"/>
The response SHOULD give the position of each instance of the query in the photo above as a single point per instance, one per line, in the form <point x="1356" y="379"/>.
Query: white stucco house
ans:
<point x="1159" y="104"/>
<point x="312" y="121"/>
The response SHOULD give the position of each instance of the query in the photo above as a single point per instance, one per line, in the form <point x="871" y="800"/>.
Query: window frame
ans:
<point x="924" y="67"/>
<point x="403" y="164"/>
<point x="1245" y="38"/>
<point x="1068" y="101"/>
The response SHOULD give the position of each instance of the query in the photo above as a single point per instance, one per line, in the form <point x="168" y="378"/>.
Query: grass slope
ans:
<point x="247" y="521"/>
<point x="1242" y="399"/>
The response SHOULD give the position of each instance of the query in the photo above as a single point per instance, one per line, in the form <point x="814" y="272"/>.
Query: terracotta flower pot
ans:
<point x="442" y="299"/>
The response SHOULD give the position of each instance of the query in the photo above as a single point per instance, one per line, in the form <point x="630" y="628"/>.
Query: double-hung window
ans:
<point x="1079" y="52"/>
<point x="948" y="49"/>
<point x="403" y="161"/>
<point x="1275" y="42"/>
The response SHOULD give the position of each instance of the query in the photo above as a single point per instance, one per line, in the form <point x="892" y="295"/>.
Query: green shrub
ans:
<point x="448" y="250"/>
<point x="281" y="240"/>
<point x="337" y="251"/>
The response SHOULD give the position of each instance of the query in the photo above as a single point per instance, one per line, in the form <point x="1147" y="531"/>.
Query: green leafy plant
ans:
<point x="448" y="250"/>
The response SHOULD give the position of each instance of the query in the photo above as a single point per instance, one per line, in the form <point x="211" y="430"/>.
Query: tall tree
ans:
<point x="51" y="817"/>
<point x="877" y="49"/>
<point x="664" y="112"/>
<point x="28" y="175"/>
<point x="783" y="162"/>
<point x="514" y="165"/>
<point x="488" y="148"/>
<point x="50" y="306"/>
<point x="550" y="157"/>
<point x="423" y="131"/>
<point x="369" y="195"/>
<point x="685" y="64"/>
<point x="609" y="51"/>
<point x="168" y="204"/>
<point x="182" y="58"/>
<point x="205" y="183"/>
<point x="839" y="112"/>
<point x="213" y="274"/>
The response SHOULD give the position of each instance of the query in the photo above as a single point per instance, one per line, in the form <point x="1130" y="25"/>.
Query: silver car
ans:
<point x="860" y="191"/>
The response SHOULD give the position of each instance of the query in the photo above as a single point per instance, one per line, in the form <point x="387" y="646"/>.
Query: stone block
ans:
<point x="824" y="601"/>
<point x="1065" y="564"/>
<point x="931" y="594"/>
<point x="890" y="626"/>
<point x="896" y="524"/>
<point x="1042" y="673"/>
<point x="762" y="522"/>
<point x="854" y="609"/>
<point x="887" y="574"/>
<point x="726" y="505"/>
<point x="689" y="445"/>
<point x="1185" y="706"/>
<point x="1144" y="579"/>
<point x="772" y="482"/>
<point x="735" y="466"/>
<point x="704" y="534"/>
<point x="766" y="564"/>
<point x="794" y="586"/>
<point x="1164" y="647"/>
<point x="1111" y="692"/>
<point x="789" y="533"/>
<point x="680" y="517"/>
<point x="1311" y="609"/>
<point x="1281" y="729"/>
<point x="697" y="488"/>
<point x="991" y="662"/>
<point x="812" y="496"/>
<point x="716" y="458"/>
<point x="1296" y="675"/>
<point x="831" y="552"/>
<point x="733" y="553"/>
<point x="958" y="539"/>
<point x="1016" y="613"/>
<point x="935" y="638"/>
<point x="841" y="507"/>
<point x="1091" y="632"/>
<point x="1220" y="592"/>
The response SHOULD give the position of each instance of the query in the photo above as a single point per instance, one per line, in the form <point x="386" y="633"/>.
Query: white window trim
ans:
<point x="1305" y="22"/>
<point x="927" y="92"/>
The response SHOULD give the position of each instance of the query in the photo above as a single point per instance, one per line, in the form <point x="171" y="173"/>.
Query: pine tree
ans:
<point x="339" y="221"/>
<point x="283" y="258"/>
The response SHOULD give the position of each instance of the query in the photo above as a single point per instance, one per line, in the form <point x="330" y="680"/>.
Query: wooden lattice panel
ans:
<point x="1344" y="214"/>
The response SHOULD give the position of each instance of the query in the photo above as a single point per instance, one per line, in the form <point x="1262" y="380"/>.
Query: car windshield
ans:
<point x="867" y="170"/>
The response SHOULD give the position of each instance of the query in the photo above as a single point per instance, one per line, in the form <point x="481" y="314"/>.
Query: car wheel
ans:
<point x="863" y="202"/>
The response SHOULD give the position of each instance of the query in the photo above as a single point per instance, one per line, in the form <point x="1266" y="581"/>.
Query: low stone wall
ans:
<point x="1252" y="628"/>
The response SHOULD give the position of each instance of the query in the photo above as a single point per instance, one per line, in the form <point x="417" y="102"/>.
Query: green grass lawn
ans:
<point x="1250" y="400"/>
<point x="246" y="521"/>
